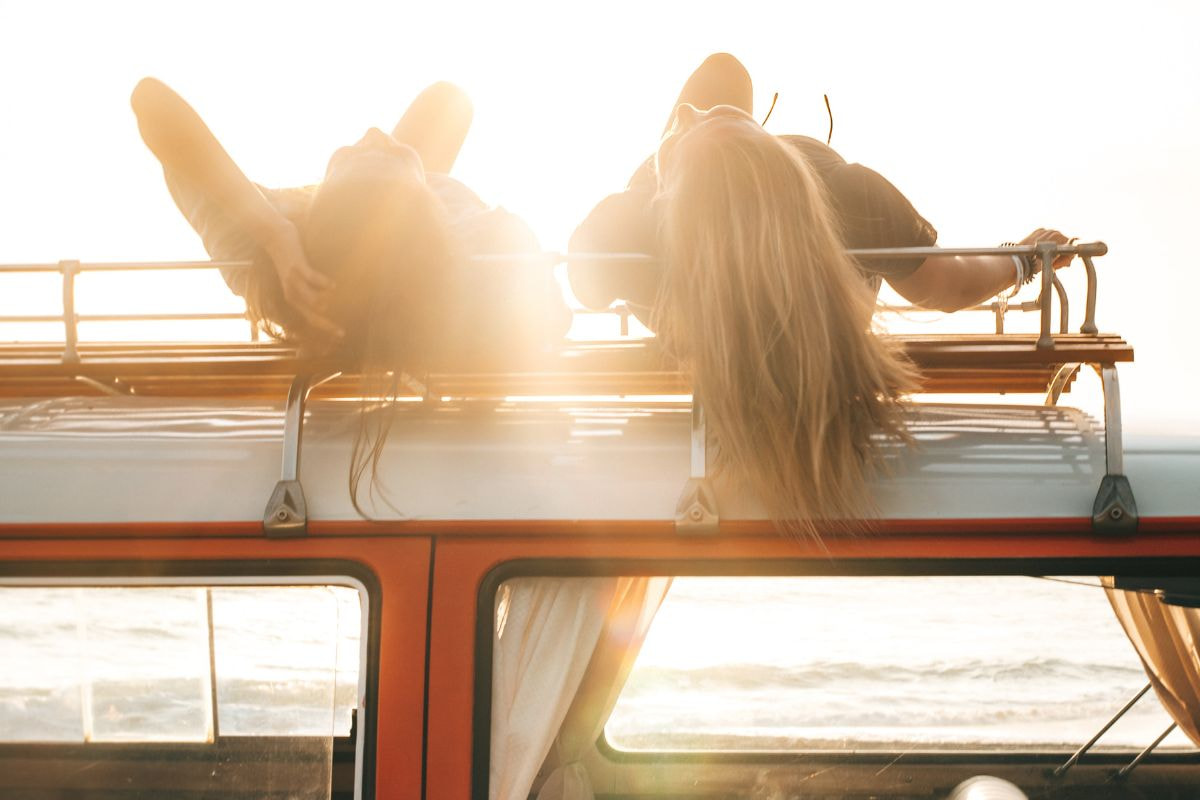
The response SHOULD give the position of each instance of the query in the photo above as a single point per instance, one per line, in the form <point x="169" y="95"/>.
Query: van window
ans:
<point x="862" y="685"/>
<point x="234" y="688"/>
<point x="884" y="663"/>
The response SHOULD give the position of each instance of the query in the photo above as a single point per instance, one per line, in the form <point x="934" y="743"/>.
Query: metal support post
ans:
<point x="1062" y="770"/>
<point x="1132" y="765"/>
<point x="69" y="270"/>
<point x="1046" y="253"/>
<point x="1114" y="511"/>
<point x="286" y="515"/>
<point x="1064" y="306"/>
<point x="1089" y="317"/>
<point x="696" y="510"/>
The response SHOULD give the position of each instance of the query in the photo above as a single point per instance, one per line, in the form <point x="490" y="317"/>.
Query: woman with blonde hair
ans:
<point x="373" y="263"/>
<point x="757" y="299"/>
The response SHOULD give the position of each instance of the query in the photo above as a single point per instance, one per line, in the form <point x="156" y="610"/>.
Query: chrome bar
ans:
<point x="552" y="259"/>
<point x="699" y="442"/>
<point x="1085" y="249"/>
<point x="32" y="318"/>
<point x="1128" y="768"/>
<point x="1078" y="249"/>
<point x="621" y="311"/>
<point x="1059" y="382"/>
<point x="199" y="317"/>
<point x="294" y="420"/>
<point x="1089" y="249"/>
<point x="126" y="266"/>
<point x="1113" y="451"/>
<point x="1023" y="307"/>
<point x="293" y="416"/>
<point x="1046" y="252"/>
<point x="1060" y="771"/>
<point x="1114" y="511"/>
<point x="1089" y="317"/>
<point x="69" y="269"/>
<point x="286" y="513"/>
<point x="70" y="322"/>
<point x="1064" y="306"/>
<point x="189" y="317"/>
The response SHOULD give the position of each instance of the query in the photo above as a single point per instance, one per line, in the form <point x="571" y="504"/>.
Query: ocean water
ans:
<point x="757" y="663"/>
<point x="123" y="663"/>
<point x="884" y="662"/>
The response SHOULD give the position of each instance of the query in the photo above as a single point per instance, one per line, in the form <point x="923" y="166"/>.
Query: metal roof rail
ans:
<point x="1046" y="252"/>
<point x="1114" y="509"/>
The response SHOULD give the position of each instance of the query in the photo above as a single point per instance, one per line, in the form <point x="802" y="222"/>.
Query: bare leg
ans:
<point x="436" y="124"/>
<point x="720" y="80"/>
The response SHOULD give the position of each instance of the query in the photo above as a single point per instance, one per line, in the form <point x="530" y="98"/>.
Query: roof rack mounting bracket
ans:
<point x="696" y="510"/>
<point x="1114" y="511"/>
<point x="286" y="515"/>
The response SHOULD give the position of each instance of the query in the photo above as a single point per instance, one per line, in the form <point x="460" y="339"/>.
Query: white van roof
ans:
<point x="129" y="459"/>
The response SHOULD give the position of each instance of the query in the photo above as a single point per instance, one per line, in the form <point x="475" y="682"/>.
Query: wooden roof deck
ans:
<point x="978" y="363"/>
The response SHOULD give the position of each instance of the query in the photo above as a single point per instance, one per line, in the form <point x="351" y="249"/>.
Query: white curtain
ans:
<point x="1166" y="638"/>
<point x="562" y="648"/>
<point x="634" y="605"/>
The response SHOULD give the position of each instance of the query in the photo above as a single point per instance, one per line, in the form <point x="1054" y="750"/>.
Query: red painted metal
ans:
<point x="401" y="566"/>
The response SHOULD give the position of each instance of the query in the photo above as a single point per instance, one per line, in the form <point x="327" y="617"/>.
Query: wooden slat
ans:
<point x="1014" y="350"/>
<point x="970" y="363"/>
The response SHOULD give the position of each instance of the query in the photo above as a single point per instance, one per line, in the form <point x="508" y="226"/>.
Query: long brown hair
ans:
<point x="772" y="320"/>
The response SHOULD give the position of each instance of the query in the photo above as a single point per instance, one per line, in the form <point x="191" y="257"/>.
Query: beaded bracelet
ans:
<point x="1027" y="265"/>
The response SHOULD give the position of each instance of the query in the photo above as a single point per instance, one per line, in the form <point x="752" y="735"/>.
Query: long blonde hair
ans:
<point x="771" y="318"/>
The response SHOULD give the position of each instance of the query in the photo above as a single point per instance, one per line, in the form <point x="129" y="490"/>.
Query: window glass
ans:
<point x="279" y="672"/>
<point x="253" y="682"/>
<point x="885" y="663"/>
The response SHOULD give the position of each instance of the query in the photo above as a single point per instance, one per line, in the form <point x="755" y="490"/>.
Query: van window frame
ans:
<point x="1145" y="567"/>
<point x="235" y="572"/>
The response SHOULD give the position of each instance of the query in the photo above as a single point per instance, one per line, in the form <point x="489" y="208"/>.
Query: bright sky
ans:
<point x="1077" y="115"/>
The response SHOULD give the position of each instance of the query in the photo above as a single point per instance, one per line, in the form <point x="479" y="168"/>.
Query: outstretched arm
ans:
<point x="950" y="283"/>
<point x="186" y="147"/>
<point x="436" y="125"/>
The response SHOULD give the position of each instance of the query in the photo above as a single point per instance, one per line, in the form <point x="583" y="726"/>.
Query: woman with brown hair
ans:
<point x="373" y="263"/>
<point x="759" y="302"/>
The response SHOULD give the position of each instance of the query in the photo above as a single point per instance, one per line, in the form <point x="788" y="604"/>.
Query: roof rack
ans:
<point x="949" y="363"/>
